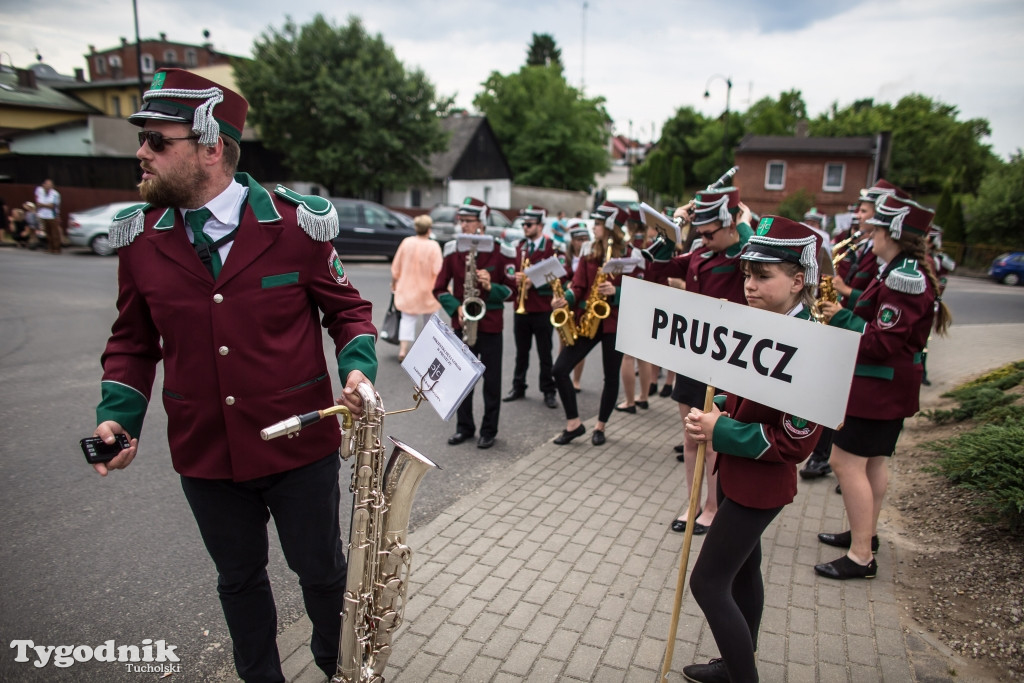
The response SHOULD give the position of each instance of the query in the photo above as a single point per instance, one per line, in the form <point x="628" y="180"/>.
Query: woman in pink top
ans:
<point x="413" y="271"/>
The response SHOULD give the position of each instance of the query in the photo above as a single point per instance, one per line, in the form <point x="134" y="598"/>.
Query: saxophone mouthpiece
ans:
<point x="289" y="426"/>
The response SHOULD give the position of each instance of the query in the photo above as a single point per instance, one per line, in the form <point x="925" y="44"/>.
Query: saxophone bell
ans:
<point x="473" y="309"/>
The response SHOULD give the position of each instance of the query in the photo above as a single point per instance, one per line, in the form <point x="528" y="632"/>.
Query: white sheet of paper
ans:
<point x="649" y="216"/>
<point x="442" y="366"/>
<point x="621" y="265"/>
<point x="465" y="242"/>
<point x="539" y="271"/>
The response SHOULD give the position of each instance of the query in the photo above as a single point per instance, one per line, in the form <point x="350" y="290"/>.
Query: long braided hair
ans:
<point x="914" y="247"/>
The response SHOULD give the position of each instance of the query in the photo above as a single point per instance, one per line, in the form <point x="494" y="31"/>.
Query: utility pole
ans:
<point x="583" y="51"/>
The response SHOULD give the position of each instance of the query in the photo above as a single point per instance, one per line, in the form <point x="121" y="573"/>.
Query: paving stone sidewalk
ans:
<point x="565" y="568"/>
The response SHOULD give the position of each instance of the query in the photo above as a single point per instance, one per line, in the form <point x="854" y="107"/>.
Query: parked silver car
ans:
<point x="89" y="228"/>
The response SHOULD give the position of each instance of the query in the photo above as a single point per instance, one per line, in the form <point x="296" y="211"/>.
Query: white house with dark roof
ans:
<point x="473" y="165"/>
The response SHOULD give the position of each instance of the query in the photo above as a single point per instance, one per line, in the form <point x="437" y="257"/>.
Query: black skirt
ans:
<point x="689" y="391"/>
<point x="867" y="438"/>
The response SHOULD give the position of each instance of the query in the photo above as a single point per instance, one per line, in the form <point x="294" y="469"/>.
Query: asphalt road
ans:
<point x="85" y="559"/>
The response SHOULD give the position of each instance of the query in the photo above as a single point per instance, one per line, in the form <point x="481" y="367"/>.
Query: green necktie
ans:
<point x="202" y="242"/>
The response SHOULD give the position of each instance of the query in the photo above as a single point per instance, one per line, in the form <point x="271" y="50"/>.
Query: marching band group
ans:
<point x="882" y="278"/>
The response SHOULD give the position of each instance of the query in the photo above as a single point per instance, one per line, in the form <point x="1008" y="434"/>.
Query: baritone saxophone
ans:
<point x="473" y="307"/>
<point x="379" y="561"/>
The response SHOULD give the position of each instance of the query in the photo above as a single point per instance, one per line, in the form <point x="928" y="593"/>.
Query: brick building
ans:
<point x="831" y="170"/>
<point x="121" y="63"/>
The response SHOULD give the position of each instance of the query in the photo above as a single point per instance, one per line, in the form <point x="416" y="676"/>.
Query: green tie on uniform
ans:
<point x="202" y="242"/>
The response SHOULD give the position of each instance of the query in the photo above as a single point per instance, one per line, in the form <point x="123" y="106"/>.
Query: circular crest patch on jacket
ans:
<point x="337" y="270"/>
<point x="797" y="427"/>
<point x="888" y="316"/>
<point x="510" y="270"/>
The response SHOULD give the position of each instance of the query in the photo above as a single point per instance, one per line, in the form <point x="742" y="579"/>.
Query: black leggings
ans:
<point x="726" y="582"/>
<point x="570" y="356"/>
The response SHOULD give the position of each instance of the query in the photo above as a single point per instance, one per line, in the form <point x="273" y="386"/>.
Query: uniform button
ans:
<point x="230" y="400"/>
<point x="223" y="350"/>
<point x="217" y="298"/>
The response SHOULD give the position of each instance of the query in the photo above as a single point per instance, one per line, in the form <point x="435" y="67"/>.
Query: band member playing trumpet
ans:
<point x="533" y="315"/>
<point x="894" y="316"/>
<point x="494" y="273"/>
<point x="590" y="289"/>
<point x="722" y="224"/>
<point x="758" y="449"/>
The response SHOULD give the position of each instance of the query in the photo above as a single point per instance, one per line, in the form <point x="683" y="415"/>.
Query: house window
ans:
<point x="147" y="63"/>
<point x="415" y="197"/>
<point x="115" y="61"/>
<point x="101" y="65"/>
<point x="835" y="174"/>
<point x="170" y="56"/>
<point x="190" y="58"/>
<point x="775" y="175"/>
<point x="115" y="101"/>
<point x="135" y="102"/>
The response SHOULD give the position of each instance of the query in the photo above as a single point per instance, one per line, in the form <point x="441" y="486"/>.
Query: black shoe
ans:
<point x="844" y="540"/>
<point x="485" y="441"/>
<point x="457" y="438"/>
<point x="845" y="568"/>
<point x="514" y="395"/>
<point x="568" y="436"/>
<point x="643" y="404"/>
<point x="712" y="672"/>
<point x="653" y="389"/>
<point x="626" y="409"/>
<point x="666" y="391"/>
<point x="681" y="448"/>
<point x="597" y="438"/>
<point x="839" y="490"/>
<point x="549" y="400"/>
<point x="680" y="525"/>
<point x="815" y="467"/>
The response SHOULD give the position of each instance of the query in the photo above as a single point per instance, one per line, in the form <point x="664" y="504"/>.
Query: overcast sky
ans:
<point x="647" y="58"/>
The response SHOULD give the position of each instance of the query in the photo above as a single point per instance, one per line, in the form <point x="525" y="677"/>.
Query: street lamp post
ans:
<point x="725" y="121"/>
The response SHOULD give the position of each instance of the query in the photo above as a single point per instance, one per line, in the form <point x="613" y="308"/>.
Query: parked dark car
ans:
<point x="367" y="229"/>
<point x="445" y="227"/>
<point x="1008" y="268"/>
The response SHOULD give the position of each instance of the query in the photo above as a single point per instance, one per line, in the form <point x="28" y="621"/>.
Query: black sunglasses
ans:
<point x="158" y="141"/>
<point x="708" y="235"/>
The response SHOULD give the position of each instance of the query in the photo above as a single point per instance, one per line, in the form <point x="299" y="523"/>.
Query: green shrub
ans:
<point x="990" y="461"/>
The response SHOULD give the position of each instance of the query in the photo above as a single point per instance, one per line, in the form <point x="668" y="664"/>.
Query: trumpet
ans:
<point x="562" y="318"/>
<point x="521" y="308"/>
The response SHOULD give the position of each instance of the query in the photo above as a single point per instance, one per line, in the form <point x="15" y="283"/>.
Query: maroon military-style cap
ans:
<point x="183" y="97"/>
<point x="533" y="212"/>
<point x="898" y="214"/>
<point x="778" y="239"/>
<point x="471" y="206"/>
<point x="881" y="188"/>
<point x="717" y="205"/>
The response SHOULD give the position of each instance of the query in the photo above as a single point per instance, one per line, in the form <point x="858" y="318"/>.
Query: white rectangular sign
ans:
<point x="796" y="366"/>
<point x="442" y="366"/>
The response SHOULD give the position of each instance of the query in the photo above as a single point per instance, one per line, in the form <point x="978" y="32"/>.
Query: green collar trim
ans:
<point x="260" y="200"/>
<point x="166" y="220"/>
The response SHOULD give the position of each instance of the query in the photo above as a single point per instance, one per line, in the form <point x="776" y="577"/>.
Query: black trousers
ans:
<point x="488" y="350"/>
<point x="232" y="518"/>
<point x="526" y="327"/>
<point x="611" y="362"/>
<point x="726" y="583"/>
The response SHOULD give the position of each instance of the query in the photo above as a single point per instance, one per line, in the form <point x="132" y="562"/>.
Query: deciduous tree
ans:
<point x="341" y="107"/>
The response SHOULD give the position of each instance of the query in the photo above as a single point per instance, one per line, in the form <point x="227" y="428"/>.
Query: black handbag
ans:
<point x="389" y="329"/>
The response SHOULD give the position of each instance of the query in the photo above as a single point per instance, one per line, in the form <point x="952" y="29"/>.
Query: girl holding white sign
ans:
<point x="758" y="449"/>
<point x="894" y="315"/>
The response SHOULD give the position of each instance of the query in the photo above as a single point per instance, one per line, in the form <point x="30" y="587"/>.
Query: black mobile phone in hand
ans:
<point x="97" y="451"/>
